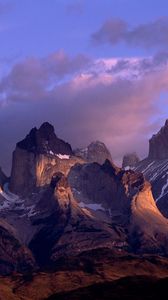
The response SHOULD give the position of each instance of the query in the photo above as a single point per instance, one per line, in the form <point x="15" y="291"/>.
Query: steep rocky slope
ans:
<point x="66" y="219"/>
<point x="155" y="167"/>
<point x="122" y="198"/>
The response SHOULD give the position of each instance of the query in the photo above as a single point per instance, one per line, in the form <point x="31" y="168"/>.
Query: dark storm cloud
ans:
<point x="149" y="35"/>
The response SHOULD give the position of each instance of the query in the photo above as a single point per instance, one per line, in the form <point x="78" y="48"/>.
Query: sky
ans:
<point x="96" y="70"/>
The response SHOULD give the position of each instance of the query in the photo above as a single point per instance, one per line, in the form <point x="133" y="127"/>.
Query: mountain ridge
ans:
<point x="59" y="208"/>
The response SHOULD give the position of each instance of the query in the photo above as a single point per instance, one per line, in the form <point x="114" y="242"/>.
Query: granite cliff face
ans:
<point x="123" y="198"/>
<point x="95" y="152"/>
<point x="158" y="144"/>
<point x="155" y="168"/>
<point x="37" y="158"/>
<point x="60" y="209"/>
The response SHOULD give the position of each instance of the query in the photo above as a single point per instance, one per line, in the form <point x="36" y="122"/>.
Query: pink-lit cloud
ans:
<point x="112" y="100"/>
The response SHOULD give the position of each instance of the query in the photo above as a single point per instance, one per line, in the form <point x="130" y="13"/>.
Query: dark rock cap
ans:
<point x="44" y="141"/>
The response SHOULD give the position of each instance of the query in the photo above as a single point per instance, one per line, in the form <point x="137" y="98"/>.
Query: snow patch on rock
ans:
<point x="93" y="206"/>
<point x="63" y="156"/>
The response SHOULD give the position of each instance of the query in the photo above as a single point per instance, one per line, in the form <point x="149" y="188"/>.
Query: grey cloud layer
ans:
<point x="83" y="102"/>
<point x="149" y="35"/>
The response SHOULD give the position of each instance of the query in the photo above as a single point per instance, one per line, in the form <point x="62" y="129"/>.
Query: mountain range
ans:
<point x="71" y="219"/>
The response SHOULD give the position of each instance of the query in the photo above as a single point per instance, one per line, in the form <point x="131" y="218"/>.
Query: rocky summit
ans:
<point x="155" y="168"/>
<point x="73" y="219"/>
<point x="44" y="141"/>
<point x="130" y="160"/>
<point x="95" y="152"/>
<point x="36" y="159"/>
<point x="158" y="144"/>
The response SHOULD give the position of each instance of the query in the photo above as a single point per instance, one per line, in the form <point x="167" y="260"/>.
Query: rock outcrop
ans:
<point x="66" y="206"/>
<point x="95" y="152"/>
<point x="125" y="198"/>
<point x="37" y="158"/>
<point x="44" y="141"/>
<point x="130" y="160"/>
<point x="155" y="168"/>
<point x="70" y="229"/>
<point x="158" y="144"/>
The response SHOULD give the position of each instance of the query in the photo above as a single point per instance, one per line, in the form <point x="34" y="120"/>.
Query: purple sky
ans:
<point x="95" y="69"/>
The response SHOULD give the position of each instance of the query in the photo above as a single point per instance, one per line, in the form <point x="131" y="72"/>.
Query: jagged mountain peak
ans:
<point x="110" y="168"/>
<point x="130" y="160"/>
<point x="37" y="157"/>
<point x="46" y="127"/>
<point x="64" y="207"/>
<point x="44" y="141"/>
<point x="96" y="151"/>
<point x="158" y="144"/>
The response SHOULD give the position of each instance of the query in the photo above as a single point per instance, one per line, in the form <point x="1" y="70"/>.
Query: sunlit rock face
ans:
<point x="155" y="168"/>
<point x="126" y="198"/>
<point x="95" y="152"/>
<point x="37" y="158"/>
<point x="66" y="205"/>
<point x="158" y="144"/>
<point x="130" y="160"/>
<point x="69" y="229"/>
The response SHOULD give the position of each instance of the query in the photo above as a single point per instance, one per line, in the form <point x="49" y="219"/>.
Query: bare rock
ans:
<point x="95" y="152"/>
<point x="158" y="144"/>
<point x="127" y="198"/>
<point x="37" y="158"/>
<point x="130" y="160"/>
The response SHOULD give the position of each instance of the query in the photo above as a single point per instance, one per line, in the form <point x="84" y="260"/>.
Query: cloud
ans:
<point x="112" y="31"/>
<point x="33" y="77"/>
<point x="85" y="99"/>
<point x="147" y="36"/>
